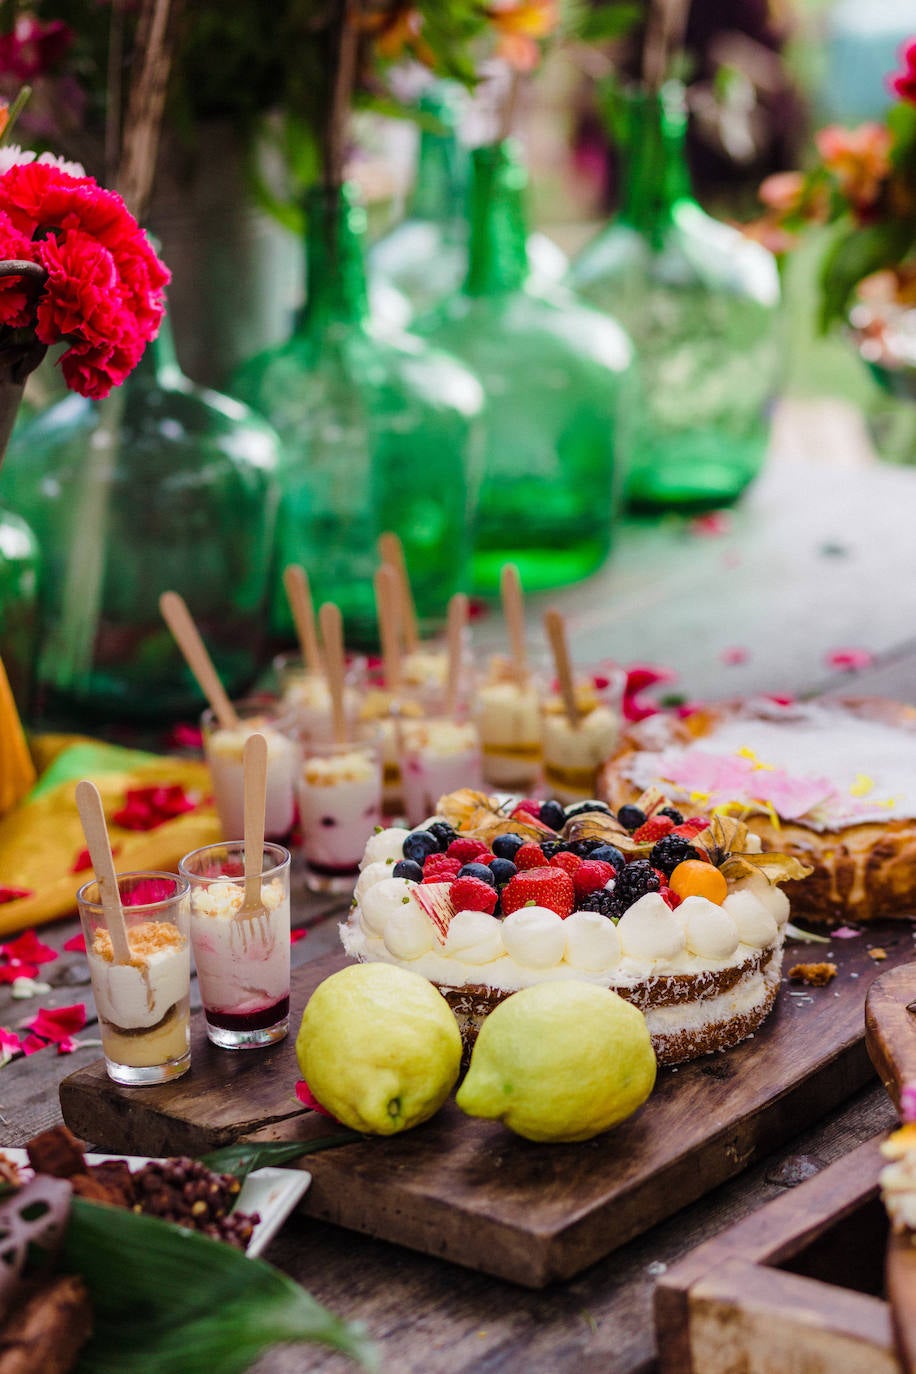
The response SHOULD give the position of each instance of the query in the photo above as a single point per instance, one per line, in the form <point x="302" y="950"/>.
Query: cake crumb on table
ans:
<point x="877" y="954"/>
<point x="815" y="975"/>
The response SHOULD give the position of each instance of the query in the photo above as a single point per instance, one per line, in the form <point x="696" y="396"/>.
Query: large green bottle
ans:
<point x="557" y="377"/>
<point x="379" y="433"/>
<point x="163" y="485"/>
<point x="20" y="563"/>
<point x="700" y="303"/>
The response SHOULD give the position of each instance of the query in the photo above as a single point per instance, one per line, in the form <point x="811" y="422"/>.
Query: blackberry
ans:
<point x="444" y="833"/>
<point x="584" y="848"/>
<point x="480" y="871"/>
<point x="419" y="845"/>
<point x="670" y="851"/>
<point x="408" y="868"/>
<point x="609" y="854"/>
<point x="631" y="818"/>
<point x="551" y="847"/>
<point x="579" y="808"/>
<point x="507" y="846"/>
<point x="634" y="882"/>
<point x="552" y="814"/>
<point x="603" y="901"/>
<point x="672" y="813"/>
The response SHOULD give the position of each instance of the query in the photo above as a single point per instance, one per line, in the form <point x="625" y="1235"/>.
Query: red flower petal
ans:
<point x="734" y="655"/>
<point x="10" y="1045"/>
<point x="308" y="1099"/>
<point x="148" y="890"/>
<point x="57" y="1023"/>
<point x="13" y="894"/>
<point x="710" y="526"/>
<point x="28" y="946"/>
<point x="17" y="969"/>
<point x="81" y="862"/>
<point x="76" y="943"/>
<point x="145" y="808"/>
<point x="184" y="736"/>
<point x="849" y="660"/>
<point x="67" y="1045"/>
<point x="32" y="1044"/>
<point x="296" y="935"/>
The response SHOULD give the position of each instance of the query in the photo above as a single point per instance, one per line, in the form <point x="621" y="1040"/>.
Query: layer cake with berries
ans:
<point x="683" y="918"/>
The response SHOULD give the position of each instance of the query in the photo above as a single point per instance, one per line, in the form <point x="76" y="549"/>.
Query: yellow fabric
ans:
<point x="17" y="772"/>
<point x="40" y="838"/>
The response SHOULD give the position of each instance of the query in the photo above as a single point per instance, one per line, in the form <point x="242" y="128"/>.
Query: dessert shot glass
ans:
<point x="340" y="803"/>
<point x="223" y="750"/>
<point x="379" y="715"/>
<point x="143" y="1006"/>
<point x="508" y="713"/>
<point x="438" y="755"/>
<point x="574" y="751"/>
<point x="242" y="956"/>
<point x="306" y="700"/>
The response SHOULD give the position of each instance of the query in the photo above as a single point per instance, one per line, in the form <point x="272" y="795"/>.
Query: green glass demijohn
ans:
<point x="557" y="377"/>
<point x="700" y="302"/>
<point x="20" y="564"/>
<point x="379" y="433"/>
<point x="163" y="485"/>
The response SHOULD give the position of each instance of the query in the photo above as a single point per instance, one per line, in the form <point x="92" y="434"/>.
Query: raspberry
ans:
<point x="439" y="868"/>
<point x="470" y="894"/>
<point x="549" y="887"/>
<point x="634" y="882"/>
<point x="670" y="851"/>
<point x="592" y="876"/>
<point x="529" y="856"/>
<point x="566" y="860"/>
<point x="466" y="849"/>
<point x="653" y="829"/>
<point x="529" y="805"/>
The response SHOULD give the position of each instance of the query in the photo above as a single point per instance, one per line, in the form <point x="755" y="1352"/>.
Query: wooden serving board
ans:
<point x="472" y="1192"/>
<point x="795" y="1288"/>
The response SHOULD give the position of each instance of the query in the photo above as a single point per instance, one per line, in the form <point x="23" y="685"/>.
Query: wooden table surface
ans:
<point x="821" y="555"/>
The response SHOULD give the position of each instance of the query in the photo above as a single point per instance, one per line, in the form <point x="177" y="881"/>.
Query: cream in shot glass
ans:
<point x="306" y="700"/>
<point x="143" y="1005"/>
<point x="573" y="753"/>
<point x="340" y="803"/>
<point x="438" y="755"/>
<point x="509" y="720"/>
<point x="224" y="748"/>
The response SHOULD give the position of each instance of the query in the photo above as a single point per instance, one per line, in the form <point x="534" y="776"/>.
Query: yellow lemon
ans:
<point x="560" y="1061"/>
<point x="379" y="1047"/>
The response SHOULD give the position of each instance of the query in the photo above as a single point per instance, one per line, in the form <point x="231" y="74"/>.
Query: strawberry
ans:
<point x="668" y="896"/>
<point x="592" y="875"/>
<point x="439" y="868"/>
<point x="530" y="855"/>
<point x="472" y="894"/>
<point x="549" y="887"/>
<point x="653" y="829"/>
<point x="565" y="860"/>
<point x="691" y="827"/>
<point x="467" y="850"/>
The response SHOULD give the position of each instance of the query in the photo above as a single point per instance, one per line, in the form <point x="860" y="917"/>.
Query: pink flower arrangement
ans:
<point x="99" y="285"/>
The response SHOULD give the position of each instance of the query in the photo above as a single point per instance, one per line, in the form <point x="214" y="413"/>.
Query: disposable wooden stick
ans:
<point x="457" y="620"/>
<point x="254" y="772"/>
<point x="299" y="593"/>
<point x="95" y="829"/>
<point x="187" y="636"/>
<point x="386" y="592"/>
<point x="332" y="633"/>
<point x="514" y="611"/>
<point x="391" y="551"/>
<point x="556" y="634"/>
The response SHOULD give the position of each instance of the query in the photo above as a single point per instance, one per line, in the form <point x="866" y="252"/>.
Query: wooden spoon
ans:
<point x="187" y="636"/>
<point x="332" y="634"/>
<point x="890" y="1036"/>
<point x="254" y="766"/>
<point x="299" y="595"/>
<point x="386" y="610"/>
<point x="391" y="552"/>
<point x="555" y="626"/>
<point x="457" y="621"/>
<point x="95" y="829"/>
<point x="510" y="587"/>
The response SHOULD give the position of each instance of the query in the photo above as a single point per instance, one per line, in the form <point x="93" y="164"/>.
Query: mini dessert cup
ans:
<point x="574" y="753"/>
<point x="340" y="801"/>
<point x="223" y="749"/>
<point x="509" y="721"/>
<point x="143" y="1006"/>
<point x="424" y="673"/>
<point x="305" y="699"/>
<point x="378" y="718"/>
<point x="242" y="960"/>
<point x="438" y="755"/>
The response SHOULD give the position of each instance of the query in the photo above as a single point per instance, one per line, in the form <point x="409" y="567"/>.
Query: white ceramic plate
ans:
<point x="273" y="1193"/>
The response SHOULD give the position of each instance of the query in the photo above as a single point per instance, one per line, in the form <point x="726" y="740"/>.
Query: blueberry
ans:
<point x="552" y="814"/>
<point x="406" y="868"/>
<point x="480" y="871"/>
<point x="502" y="870"/>
<point x="419" y="845"/>
<point x="631" y="818"/>
<point x="507" y="846"/>
<point x="609" y="855"/>
<point x="444" y="833"/>
<point x="584" y="848"/>
<point x="579" y="808"/>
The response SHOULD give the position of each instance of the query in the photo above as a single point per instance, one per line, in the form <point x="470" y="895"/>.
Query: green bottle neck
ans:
<point x="498" y="246"/>
<point x="439" y="186"/>
<point x="655" y="176"/>
<point x="336" y="273"/>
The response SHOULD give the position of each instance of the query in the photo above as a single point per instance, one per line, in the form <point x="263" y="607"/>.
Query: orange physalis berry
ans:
<point x="694" y="878"/>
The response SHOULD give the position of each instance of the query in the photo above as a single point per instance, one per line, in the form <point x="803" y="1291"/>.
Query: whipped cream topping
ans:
<point x="408" y="932"/>
<point x="353" y="766"/>
<point x="648" y="930"/>
<point x="443" y="738"/>
<point x="384" y="846"/>
<point x="370" y="875"/>
<point x="474" y="936"/>
<point x="230" y="743"/>
<point x="768" y="894"/>
<point x="709" y="930"/>
<point x="754" y="924"/>
<point x="383" y="899"/>
<point x="592" y="941"/>
<point x="534" y="936"/>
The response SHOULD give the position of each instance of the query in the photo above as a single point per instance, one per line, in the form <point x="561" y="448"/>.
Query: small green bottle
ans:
<point x="700" y="302"/>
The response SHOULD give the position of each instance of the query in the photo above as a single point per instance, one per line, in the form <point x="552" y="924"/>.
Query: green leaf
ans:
<point x="856" y="254"/>
<point x="188" y="1303"/>
<point x="239" y="1160"/>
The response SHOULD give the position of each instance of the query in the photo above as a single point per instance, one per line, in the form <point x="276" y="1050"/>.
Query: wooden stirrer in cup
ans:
<point x="510" y="587"/>
<point x="386" y="610"/>
<point x="331" y="623"/>
<point x="457" y="620"/>
<point x="254" y="771"/>
<point x="556" y="634"/>
<point x="95" y="829"/>
<point x="299" y="595"/>
<point x="391" y="552"/>
<point x="187" y="636"/>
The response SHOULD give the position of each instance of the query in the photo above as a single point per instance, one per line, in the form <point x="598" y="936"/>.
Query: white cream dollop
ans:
<point x="592" y="941"/>
<point x="708" y="929"/>
<point x="383" y="900"/>
<point x="755" y="924"/>
<point x="385" y="845"/>
<point x="772" y="896"/>
<point x="474" y="937"/>
<point x="534" y="936"/>
<point x="373" y="873"/>
<point x="408" y="932"/>
<point x="648" y="929"/>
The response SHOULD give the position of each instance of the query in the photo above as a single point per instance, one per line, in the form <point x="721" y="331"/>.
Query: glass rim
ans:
<point x="268" y="847"/>
<point x="321" y="748"/>
<point x="181" y="882"/>
<point x="257" y="705"/>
